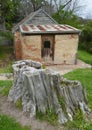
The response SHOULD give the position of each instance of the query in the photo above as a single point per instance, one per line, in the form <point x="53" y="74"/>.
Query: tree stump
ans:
<point x="42" y="89"/>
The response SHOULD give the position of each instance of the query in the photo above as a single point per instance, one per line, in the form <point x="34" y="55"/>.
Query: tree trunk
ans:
<point x="42" y="89"/>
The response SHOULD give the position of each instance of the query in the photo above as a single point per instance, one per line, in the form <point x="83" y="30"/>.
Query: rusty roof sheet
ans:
<point x="41" y="29"/>
<point x="30" y="17"/>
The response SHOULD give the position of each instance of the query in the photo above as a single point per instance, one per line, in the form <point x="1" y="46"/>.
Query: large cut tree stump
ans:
<point x="42" y="89"/>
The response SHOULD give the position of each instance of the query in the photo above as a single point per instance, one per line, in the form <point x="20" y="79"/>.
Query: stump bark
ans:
<point x="42" y="89"/>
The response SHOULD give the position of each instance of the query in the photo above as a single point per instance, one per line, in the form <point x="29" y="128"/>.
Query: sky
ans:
<point x="87" y="12"/>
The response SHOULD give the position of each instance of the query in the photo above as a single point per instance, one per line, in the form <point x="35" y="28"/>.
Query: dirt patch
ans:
<point x="10" y="109"/>
<point x="7" y="76"/>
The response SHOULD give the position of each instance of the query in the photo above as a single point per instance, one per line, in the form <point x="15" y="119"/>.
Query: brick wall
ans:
<point x="66" y="49"/>
<point x="17" y="46"/>
<point x="31" y="47"/>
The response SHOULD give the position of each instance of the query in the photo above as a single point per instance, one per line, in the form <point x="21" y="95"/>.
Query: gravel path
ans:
<point x="6" y="76"/>
<point x="63" y="69"/>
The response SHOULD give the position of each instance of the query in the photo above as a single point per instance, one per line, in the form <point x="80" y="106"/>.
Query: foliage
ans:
<point x="50" y="116"/>
<point x="4" y="51"/>
<point x="23" y="8"/>
<point x="85" y="56"/>
<point x="5" y="86"/>
<point x="19" y="104"/>
<point x="7" y="69"/>
<point x="85" y="77"/>
<point x="7" y="12"/>
<point x="8" y="123"/>
<point x="7" y="34"/>
<point x="79" y="122"/>
<point x="67" y="17"/>
<point x="6" y="59"/>
<point x="86" y="38"/>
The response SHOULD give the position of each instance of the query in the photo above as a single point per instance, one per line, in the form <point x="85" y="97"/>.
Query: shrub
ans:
<point x="86" y="38"/>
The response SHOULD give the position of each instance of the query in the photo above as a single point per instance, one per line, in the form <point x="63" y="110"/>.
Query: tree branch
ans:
<point x="66" y="4"/>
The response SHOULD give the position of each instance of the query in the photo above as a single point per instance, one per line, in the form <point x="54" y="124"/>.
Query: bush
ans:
<point x="6" y="38"/>
<point x="67" y="17"/>
<point x="87" y="46"/>
<point x="86" y="38"/>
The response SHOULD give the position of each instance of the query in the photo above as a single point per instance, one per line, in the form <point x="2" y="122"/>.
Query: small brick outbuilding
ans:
<point x="39" y="37"/>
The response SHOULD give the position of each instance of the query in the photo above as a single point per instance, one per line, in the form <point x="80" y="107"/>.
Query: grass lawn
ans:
<point x="6" y="59"/>
<point x="8" y="123"/>
<point x="5" y="51"/>
<point x="7" y="69"/>
<point x="85" y="56"/>
<point x="5" y="86"/>
<point x="85" y="77"/>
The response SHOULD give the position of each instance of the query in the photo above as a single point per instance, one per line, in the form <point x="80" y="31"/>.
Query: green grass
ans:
<point x="5" y="86"/>
<point x="79" y="123"/>
<point x="19" y="103"/>
<point x="8" y="123"/>
<point x="4" y="51"/>
<point x="6" y="59"/>
<point x="85" y="56"/>
<point x="50" y="117"/>
<point x="7" y="69"/>
<point x="85" y="77"/>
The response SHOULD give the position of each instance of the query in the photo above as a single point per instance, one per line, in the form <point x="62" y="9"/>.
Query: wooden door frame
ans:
<point x="52" y="38"/>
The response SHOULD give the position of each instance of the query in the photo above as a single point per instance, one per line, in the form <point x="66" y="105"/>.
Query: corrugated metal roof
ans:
<point x="41" y="29"/>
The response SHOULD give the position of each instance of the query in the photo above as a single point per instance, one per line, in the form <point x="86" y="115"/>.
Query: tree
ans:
<point x="24" y="7"/>
<point x="7" y="12"/>
<point x="31" y="5"/>
<point x="86" y="38"/>
<point x="67" y="12"/>
<point x="67" y="17"/>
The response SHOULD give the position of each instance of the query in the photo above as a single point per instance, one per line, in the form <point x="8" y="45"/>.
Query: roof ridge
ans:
<point x="30" y="16"/>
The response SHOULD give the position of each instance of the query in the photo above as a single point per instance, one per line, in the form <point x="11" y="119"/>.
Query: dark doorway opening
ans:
<point x="47" y="48"/>
<point x="47" y="44"/>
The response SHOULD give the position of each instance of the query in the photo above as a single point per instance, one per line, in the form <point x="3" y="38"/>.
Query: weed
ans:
<point x="50" y="116"/>
<point x="5" y="86"/>
<point x="19" y="104"/>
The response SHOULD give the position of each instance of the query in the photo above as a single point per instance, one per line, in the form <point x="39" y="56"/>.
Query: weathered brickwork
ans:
<point x="17" y="46"/>
<point x="31" y="47"/>
<point x="66" y="49"/>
